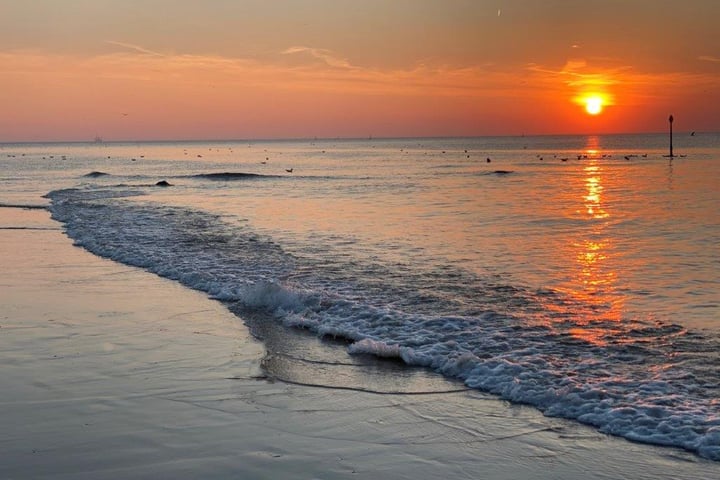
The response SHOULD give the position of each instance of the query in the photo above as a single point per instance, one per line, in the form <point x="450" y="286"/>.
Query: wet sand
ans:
<point x="111" y="372"/>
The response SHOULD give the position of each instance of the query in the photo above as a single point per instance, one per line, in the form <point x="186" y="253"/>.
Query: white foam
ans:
<point x="374" y="347"/>
<point x="272" y="296"/>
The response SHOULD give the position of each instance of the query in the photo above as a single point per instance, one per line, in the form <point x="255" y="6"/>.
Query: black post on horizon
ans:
<point x="671" y="149"/>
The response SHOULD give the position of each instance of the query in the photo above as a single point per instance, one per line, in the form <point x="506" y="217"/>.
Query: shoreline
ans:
<point x="112" y="372"/>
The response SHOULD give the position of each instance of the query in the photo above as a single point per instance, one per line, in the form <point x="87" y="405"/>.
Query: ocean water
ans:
<point x="577" y="274"/>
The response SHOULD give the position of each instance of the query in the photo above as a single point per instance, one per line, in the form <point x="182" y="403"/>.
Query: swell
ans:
<point x="230" y="176"/>
<point x="241" y="176"/>
<point x="96" y="174"/>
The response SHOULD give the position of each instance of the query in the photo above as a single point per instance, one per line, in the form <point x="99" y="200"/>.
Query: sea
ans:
<point x="576" y="274"/>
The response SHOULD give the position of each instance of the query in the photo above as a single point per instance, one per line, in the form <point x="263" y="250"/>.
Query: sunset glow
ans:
<point x="256" y="70"/>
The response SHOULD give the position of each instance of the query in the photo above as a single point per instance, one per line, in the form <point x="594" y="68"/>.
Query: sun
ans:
<point x="594" y="104"/>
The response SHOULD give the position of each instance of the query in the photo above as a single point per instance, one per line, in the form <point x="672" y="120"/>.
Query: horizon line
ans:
<point x="323" y="139"/>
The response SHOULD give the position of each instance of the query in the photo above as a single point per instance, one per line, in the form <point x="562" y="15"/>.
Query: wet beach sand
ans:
<point x="112" y="372"/>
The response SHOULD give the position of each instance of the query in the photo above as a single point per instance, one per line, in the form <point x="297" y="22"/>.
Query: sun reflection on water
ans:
<point x="593" y="196"/>
<point x="592" y="147"/>
<point x="595" y="303"/>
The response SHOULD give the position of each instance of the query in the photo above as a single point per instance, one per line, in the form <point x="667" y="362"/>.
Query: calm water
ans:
<point x="588" y="286"/>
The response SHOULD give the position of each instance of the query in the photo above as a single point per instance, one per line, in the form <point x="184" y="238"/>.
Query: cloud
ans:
<point x="326" y="56"/>
<point x="709" y="58"/>
<point x="135" y="48"/>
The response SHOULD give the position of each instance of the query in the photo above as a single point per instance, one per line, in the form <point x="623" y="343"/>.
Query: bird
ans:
<point x="692" y="134"/>
<point x="289" y="170"/>
<point x="488" y="160"/>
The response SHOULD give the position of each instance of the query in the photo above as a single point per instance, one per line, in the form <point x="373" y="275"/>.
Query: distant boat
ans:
<point x="98" y="139"/>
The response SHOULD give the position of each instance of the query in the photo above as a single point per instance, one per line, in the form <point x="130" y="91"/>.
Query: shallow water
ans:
<point x="586" y="287"/>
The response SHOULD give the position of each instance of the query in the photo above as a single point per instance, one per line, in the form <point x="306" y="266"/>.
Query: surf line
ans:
<point x="315" y="362"/>
<point x="272" y="378"/>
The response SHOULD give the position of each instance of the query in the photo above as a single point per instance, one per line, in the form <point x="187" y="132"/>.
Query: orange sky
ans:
<point x="235" y="69"/>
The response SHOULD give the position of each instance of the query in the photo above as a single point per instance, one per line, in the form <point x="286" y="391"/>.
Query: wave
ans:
<point x="230" y="176"/>
<point x="648" y="382"/>
<point x="497" y="173"/>
<point x="96" y="174"/>
<point x="239" y="176"/>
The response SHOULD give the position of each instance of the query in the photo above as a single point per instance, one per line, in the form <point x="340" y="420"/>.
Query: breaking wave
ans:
<point x="647" y="382"/>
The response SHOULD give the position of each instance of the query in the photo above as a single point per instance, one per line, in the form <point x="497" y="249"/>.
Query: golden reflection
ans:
<point x="595" y="280"/>
<point x="593" y="197"/>
<point x="592" y="147"/>
<point x="591" y="281"/>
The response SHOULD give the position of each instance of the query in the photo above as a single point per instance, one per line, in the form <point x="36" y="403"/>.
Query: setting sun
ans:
<point x="593" y="105"/>
<point x="594" y="102"/>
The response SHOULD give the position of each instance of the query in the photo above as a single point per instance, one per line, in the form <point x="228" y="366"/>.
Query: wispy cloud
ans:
<point x="326" y="56"/>
<point x="709" y="58"/>
<point x="135" y="48"/>
<point x="577" y="72"/>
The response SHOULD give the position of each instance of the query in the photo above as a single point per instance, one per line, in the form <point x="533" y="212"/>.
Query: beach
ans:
<point x="398" y="240"/>
<point x="109" y="371"/>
